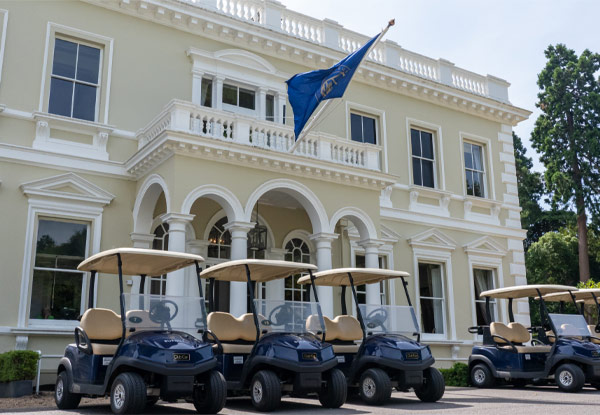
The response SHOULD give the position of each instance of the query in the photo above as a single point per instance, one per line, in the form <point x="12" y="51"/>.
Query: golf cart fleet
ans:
<point x="387" y="356"/>
<point x="150" y="351"/>
<point x="560" y="351"/>
<point x="271" y="351"/>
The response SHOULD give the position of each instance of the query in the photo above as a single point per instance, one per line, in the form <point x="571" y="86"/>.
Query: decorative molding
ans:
<point x="385" y="199"/>
<point x="485" y="246"/>
<point x="442" y="197"/>
<point x="4" y="14"/>
<point x="80" y="190"/>
<point x="480" y="202"/>
<point x="432" y="239"/>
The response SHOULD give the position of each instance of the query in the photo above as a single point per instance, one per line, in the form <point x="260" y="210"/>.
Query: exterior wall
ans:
<point x="142" y="162"/>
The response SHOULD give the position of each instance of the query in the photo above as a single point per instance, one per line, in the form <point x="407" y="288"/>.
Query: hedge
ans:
<point x="18" y="365"/>
<point x="457" y="375"/>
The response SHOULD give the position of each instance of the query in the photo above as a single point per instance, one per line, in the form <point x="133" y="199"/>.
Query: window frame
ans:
<point x="487" y="161"/>
<point x="237" y="108"/>
<point x="490" y="263"/>
<point x="434" y="160"/>
<point x="364" y="114"/>
<point x="304" y="295"/>
<point x="493" y="301"/>
<point x="473" y="170"/>
<point x="438" y="152"/>
<point x="442" y="299"/>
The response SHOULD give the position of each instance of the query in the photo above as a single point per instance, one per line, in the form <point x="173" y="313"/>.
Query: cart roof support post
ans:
<point x="314" y="288"/>
<point x="91" y="290"/>
<point x="358" y="313"/>
<point x="252" y="307"/>
<point x="511" y="316"/>
<point x="488" y="313"/>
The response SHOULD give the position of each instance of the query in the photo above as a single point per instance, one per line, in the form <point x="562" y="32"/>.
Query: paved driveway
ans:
<point x="505" y="401"/>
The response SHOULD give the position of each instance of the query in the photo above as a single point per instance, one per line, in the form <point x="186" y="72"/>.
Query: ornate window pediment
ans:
<point x="432" y="239"/>
<point x="485" y="246"/>
<point x="68" y="186"/>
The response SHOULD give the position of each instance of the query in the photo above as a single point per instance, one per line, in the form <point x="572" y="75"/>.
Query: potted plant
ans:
<point x="17" y="371"/>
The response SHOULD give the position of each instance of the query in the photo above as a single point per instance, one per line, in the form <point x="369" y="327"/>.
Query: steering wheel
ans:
<point x="280" y="315"/>
<point x="376" y="318"/>
<point x="160" y="312"/>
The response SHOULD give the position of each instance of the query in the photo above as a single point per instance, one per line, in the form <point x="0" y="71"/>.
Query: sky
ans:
<point x="504" y="38"/>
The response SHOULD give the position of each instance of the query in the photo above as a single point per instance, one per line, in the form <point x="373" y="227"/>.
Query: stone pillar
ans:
<point x="262" y="103"/>
<point x="323" y="242"/>
<point x="140" y="240"/>
<point x="218" y="93"/>
<point x="176" y="280"/>
<point x="275" y="289"/>
<point x="280" y="100"/>
<point x="239" y="250"/>
<point x="197" y="87"/>
<point x="371" y="248"/>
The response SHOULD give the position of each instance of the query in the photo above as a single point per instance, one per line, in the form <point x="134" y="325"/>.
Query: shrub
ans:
<point x="18" y="365"/>
<point x="457" y="375"/>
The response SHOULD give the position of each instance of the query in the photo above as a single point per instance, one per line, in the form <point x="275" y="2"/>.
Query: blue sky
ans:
<point x="505" y="38"/>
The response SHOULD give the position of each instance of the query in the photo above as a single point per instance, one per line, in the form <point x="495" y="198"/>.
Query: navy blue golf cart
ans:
<point x="270" y="352"/>
<point x="556" y="353"/>
<point x="387" y="357"/>
<point x="151" y="351"/>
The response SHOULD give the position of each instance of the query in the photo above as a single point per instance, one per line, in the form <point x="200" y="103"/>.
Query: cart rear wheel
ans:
<point x="265" y="391"/>
<point x="433" y="387"/>
<point x="62" y="396"/>
<point x="128" y="394"/>
<point x="375" y="386"/>
<point x="481" y="376"/>
<point x="569" y="377"/>
<point x="333" y="395"/>
<point x="211" y="399"/>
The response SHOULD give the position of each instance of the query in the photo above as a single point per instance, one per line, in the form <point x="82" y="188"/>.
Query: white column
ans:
<point x="262" y="103"/>
<point x="280" y="100"/>
<point x="176" y="280"/>
<point x="218" y="93"/>
<point x="323" y="244"/>
<point x="275" y="289"/>
<point x="140" y="240"/>
<point x="371" y="248"/>
<point x="196" y="87"/>
<point x="238" y="291"/>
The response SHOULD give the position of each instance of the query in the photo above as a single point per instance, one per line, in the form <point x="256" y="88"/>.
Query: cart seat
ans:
<point x="595" y="336"/>
<point x="140" y="321"/>
<point x="237" y="335"/>
<point x="104" y="329"/>
<point x="517" y="334"/>
<point x="341" y="332"/>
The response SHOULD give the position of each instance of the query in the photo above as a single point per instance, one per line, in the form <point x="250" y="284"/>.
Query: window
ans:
<point x="158" y="283"/>
<point x="220" y="240"/>
<point x="363" y="129"/>
<point x="206" y="92"/>
<point x="484" y="280"/>
<point x="297" y="251"/>
<point x="474" y="169"/>
<point x="74" y="83"/>
<point x="238" y="97"/>
<point x="431" y="293"/>
<point x="57" y="289"/>
<point x="270" y="108"/>
<point x="361" y="290"/>
<point x="423" y="159"/>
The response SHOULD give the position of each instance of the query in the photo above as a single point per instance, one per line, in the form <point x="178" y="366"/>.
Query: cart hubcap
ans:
<point x="119" y="396"/>
<point x="257" y="391"/>
<point x="59" y="389"/>
<point x="479" y="376"/>
<point x="566" y="378"/>
<point x="368" y="387"/>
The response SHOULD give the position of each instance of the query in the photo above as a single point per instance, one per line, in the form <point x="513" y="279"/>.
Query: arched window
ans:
<point x="158" y="284"/>
<point x="297" y="251"/>
<point x="219" y="240"/>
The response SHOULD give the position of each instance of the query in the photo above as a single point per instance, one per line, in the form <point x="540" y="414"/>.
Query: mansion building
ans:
<point x="166" y="124"/>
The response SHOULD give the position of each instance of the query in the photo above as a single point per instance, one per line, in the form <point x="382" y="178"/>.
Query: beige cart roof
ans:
<point x="338" y="277"/>
<point x="261" y="270"/>
<point x="136" y="261"/>
<point x="521" y="291"/>
<point x="585" y="294"/>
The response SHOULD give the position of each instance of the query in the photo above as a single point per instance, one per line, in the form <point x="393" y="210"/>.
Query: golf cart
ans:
<point x="387" y="356"/>
<point x="505" y="355"/>
<point x="149" y="351"/>
<point x="269" y="352"/>
<point x="580" y="298"/>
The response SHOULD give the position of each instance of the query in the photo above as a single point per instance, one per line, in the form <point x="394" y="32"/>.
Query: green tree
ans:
<point x="567" y="135"/>
<point x="553" y="259"/>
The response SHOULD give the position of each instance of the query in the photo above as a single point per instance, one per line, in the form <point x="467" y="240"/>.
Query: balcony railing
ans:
<point x="224" y="126"/>
<point x="275" y="16"/>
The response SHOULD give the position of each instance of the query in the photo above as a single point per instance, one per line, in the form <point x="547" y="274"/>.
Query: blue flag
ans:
<point x="306" y="90"/>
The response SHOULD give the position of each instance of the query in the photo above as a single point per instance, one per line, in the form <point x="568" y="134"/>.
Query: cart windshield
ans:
<point x="289" y="316"/>
<point x="393" y="319"/>
<point x="570" y="325"/>
<point x="148" y="312"/>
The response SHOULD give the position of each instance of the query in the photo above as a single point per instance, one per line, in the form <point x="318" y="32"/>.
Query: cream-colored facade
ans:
<point x="158" y="152"/>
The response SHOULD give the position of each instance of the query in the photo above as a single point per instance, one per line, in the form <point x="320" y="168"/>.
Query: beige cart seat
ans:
<point x="104" y="325"/>
<point x="517" y="334"/>
<point x="229" y="329"/>
<point x="141" y="323"/>
<point x="595" y="336"/>
<point x="341" y="329"/>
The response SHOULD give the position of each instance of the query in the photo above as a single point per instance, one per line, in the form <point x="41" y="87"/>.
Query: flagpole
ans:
<point x="306" y="130"/>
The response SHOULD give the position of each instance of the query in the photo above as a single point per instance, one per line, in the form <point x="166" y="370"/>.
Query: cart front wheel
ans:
<point x="211" y="398"/>
<point x="569" y="377"/>
<point x="433" y="387"/>
<point x="62" y="396"/>
<point x="333" y="394"/>
<point x="265" y="391"/>
<point x="481" y="376"/>
<point x="128" y="394"/>
<point x="375" y="386"/>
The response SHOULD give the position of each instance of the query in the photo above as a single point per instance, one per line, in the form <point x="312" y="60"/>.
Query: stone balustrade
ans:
<point x="182" y="116"/>
<point x="275" y="16"/>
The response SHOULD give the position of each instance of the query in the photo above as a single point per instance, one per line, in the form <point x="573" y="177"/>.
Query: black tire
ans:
<point x="64" y="398"/>
<point x="433" y="387"/>
<point x="335" y="391"/>
<point x="265" y="391"/>
<point x="375" y="387"/>
<point x="481" y="376"/>
<point x="569" y="377"/>
<point x="128" y="394"/>
<point x="211" y="399"/>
